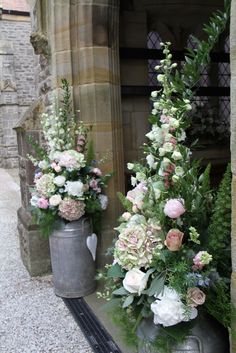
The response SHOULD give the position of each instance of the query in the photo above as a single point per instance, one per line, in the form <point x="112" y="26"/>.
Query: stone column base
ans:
<point x="34" y="248"/>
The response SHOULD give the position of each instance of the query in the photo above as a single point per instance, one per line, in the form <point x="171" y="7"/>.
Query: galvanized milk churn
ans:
<point x="206" y="336"/>
<point x="73" y="264"/>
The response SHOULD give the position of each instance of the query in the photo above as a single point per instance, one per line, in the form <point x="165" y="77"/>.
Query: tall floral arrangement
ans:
<point x="67" y="183"/>
<point x="161" y="268"/>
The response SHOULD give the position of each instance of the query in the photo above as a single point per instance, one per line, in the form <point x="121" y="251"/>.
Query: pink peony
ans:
<point x="174" y="208"/>
<point x="42" y="203"/>
<point x="174" y="239"/>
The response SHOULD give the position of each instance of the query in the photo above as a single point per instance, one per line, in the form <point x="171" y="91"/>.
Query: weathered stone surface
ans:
<point x="34" y="248"/>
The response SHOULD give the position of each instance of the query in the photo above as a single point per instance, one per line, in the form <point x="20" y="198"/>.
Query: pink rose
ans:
<point x="195" y="297"/>
<point x="42" y="203"/>
<point x="174" y="208"/>
<point x="93" y="184"/>
<point x="97" y="171"/>
<point x="174" y="239"/>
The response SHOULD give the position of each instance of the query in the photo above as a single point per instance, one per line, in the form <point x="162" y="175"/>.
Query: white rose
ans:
<point x="55" y="200"/>
<point x="59" y="180"/>
<point x="135" y="281"/>
<point x="103" y="199"/>
<point x="176" y="155"/>
<point x="156" y="105"/>
<point x="74" y="188"/>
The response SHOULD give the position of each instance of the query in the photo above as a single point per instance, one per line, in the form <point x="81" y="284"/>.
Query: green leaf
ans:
<point x="115" y="271"/>
<point x="157" y="286"/>
<point x="129" y="300"/>
<point x="120" y="291"/>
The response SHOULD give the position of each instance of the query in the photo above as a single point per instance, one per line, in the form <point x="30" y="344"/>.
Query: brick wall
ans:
<point x="17" y="83"/>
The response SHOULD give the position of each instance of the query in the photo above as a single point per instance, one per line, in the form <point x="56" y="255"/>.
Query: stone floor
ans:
<point x="32" y="318"/>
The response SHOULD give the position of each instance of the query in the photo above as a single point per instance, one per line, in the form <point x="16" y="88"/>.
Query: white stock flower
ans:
<point x="168" y="147"/>
<point x="179" y="171"/>
<point x="154" y="94"/>
<point x="74" y="188"/>
<point x="162" y="151"/>
<point x="176" y="155"/>
<point x="135" y="281"/>
<point x="154" y="112"/>
<point x="130" y="166"/>
<point x="182" y="136"/>
<point x="174" y="123"/>
<point x="55" y="200"/>
<point x="151" y="161"/>
<point x="59" y="180"/>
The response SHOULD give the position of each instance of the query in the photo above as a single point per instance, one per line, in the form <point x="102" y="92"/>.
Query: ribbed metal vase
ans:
<point x="207" y="336"/>
<point x="73" y="266"/>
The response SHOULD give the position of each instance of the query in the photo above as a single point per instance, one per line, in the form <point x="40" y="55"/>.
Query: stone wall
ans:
<point x="17" y="84"/>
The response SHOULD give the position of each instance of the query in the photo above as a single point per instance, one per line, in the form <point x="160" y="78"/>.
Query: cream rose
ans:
<point x="55" y="200"/>
<point x="135" y="281"/>
<point x="59" y="180"/>
<point x="195" y="297"/>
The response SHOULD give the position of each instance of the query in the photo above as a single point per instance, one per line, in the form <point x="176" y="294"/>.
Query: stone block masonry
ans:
<point x="17" y="83"/>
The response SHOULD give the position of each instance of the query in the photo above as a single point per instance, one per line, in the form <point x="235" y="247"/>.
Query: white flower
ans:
<point x="182" y="136"/>
<point x="43" y="164"/>
<point x="168" y="147"/>
<point x="175" y="178"/>
<point x="162" y="151"/>
<point x="156" y="105"/>
<point x="126" y="216"/>
<point x="103" y="199"/>
<point x="179" y="171"/>
<point x="169" y="310"/>
<point x="133" y="181"/>
<point x="34" y="200"/>
<point x="151" y="161"/>
<point x="160" y="78"/>
<point x="176" y="155"/>
<point x="154" y="94"/>
<point x="154" y="112"/>
<point x="130" y="166"/>
<point x="74" y="188"/>
<point x="59" y="180"/>
<point x="135" y="281"/>
<point x="55" y="200"/>
<point x="174" y="123"/>
<point x="141" y="176"/>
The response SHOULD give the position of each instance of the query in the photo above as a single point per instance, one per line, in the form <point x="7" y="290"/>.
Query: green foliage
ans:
<point x="125" y="203"/>
<point x="218" y="303"/>
<point x="40" y="152"/>
<point x="219" y="231"/>
<point x="45" y="220"/>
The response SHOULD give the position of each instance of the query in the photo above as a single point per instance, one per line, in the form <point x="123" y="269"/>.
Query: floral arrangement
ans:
<point x="162" y="269"/>
<point x="67" y="183"/>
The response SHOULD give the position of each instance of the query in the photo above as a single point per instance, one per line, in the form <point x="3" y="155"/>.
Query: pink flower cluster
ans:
<point x="71" y="209"/>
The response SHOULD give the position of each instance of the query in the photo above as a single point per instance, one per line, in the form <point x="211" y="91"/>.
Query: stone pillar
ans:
<point x="233" y="158"/>
<point x="96" y="85"/>
<point x="8" y="106"/>
<point x="34" y="248"/>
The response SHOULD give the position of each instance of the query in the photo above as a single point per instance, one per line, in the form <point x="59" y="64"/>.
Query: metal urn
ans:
<point x="206" y="336"/>
<point x="73" y="258"/>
